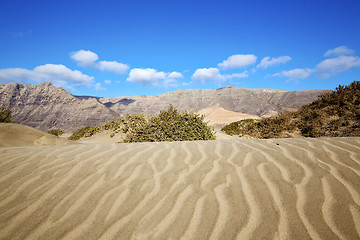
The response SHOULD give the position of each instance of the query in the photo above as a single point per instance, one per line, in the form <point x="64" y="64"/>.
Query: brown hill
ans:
<point x="46" y="107"/>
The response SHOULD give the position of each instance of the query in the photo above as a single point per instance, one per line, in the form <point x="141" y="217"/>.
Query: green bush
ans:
<point x="236" y="128"/>
<point x="132" y="122"/>
<point x="56" y="132"/>
<point x="5" y="115"/>
<point x="87" y="131"/>
<point x="171" y="125"/>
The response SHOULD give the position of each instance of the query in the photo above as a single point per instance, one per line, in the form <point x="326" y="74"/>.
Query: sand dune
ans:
<point x="218" y="116"/>
<point x="223" y="189"/>
<point x="16" y="135"/>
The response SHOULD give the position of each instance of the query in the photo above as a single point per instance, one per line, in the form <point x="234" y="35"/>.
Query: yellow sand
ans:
<point x="218" y="116"/>
<point x="223" y="189"/>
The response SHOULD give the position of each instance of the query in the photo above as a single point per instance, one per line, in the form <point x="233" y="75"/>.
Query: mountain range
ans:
<point x="47" y="107"/>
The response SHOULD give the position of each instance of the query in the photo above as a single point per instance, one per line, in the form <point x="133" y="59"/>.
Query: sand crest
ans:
<point x="223" y="189"/>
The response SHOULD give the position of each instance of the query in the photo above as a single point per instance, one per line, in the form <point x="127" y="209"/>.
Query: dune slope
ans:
<point x="223" y="189"/>
<point x="16" y="135"/>
<point x="218" y="116"/>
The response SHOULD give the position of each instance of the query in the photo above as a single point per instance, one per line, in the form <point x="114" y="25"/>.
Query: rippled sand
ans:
<point x="223" y="189"/>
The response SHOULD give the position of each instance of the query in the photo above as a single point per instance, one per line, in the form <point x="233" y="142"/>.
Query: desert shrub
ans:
<point x="273" y="127"/>
<point x="236" y="128"/>
<point x="87" y="131"/>
<point x="334" y="114"/>
<point x="5" y="115"/>
<point x="113" y="124"/>
<point x="168" y="125"/>
<point x="133" y="122"/>
<point x="124" y="125"/>
<point x="56" y="132"/>
<point x="171" y="125"/>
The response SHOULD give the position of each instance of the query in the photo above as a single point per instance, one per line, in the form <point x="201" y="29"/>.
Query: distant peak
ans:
<point x="46" y="84"/>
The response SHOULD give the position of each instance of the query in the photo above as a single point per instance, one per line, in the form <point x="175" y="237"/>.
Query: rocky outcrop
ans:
<point x="46" y="107"/>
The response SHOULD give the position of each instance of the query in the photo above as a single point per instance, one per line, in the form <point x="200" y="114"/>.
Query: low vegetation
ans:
<point x="235" y="128"/>
<point x="168" y="125"/>
<point x="87" y="131"/>
<point x="56" y="132"/>
<point x="5" y="115"/>
<point x="334" y="114"/>
<point x="171" y="125"/>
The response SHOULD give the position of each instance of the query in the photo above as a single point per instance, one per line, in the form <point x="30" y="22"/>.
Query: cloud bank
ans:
<point x="338" y="62"/>
<point x="332" y="66"/>
<point x="58" y="74"/>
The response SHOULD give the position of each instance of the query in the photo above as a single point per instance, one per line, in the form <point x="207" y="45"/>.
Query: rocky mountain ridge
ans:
<point x="46" y="107"/>
<point x="259" y="102"/>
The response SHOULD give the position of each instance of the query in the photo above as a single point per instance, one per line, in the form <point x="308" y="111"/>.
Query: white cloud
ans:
<point x="267" y="62"/>
<point x="213" y="74"/>
<point x="116" y="67"/>
<point x="332" y="66"/>
<point x="84" y="58"/>
<point x="58" y="74"/>
<point x="295" y="73"/>
<point x="150" y="76"/>
<point x="58" y="71"/>
<point x="175" y="75"/>
<point x="107" y="81"/>
<point x="171" y="79"/>
<point x="238" y="61"/>
<point x="207" y="74"/>
<point x="145" y="76"/>
<point x="99" y="87"/>
<point x="342" y="50"/>
<point x="340" y="62"/>
<point x="89" y="59"/>
<point x="16" y="75"/>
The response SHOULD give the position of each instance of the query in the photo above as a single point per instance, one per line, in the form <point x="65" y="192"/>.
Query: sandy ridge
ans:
<point x="223" y="189"/>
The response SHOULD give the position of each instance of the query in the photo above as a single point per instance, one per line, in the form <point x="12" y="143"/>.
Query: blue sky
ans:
<point x="127" y="48"/>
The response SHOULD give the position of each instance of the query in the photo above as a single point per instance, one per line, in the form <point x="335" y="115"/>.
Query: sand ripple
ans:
<point x="224" y="189"/>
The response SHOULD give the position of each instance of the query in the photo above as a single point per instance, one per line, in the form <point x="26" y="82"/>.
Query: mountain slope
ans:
<point x="257" y="102"/>
<point x="46" y="107"/>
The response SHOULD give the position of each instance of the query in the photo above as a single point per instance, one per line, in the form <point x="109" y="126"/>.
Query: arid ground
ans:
<point x="224" y="189"/>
